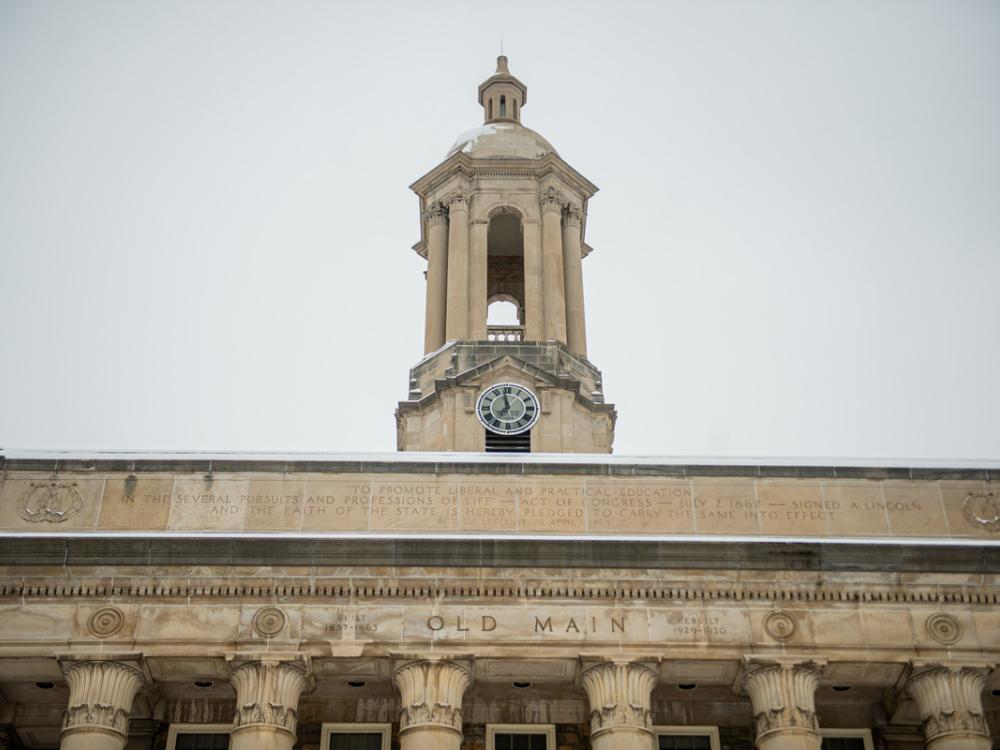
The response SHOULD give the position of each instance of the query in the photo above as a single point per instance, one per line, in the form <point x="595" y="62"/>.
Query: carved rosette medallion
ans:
<point x="943" y="628"/>
<point x="267" y="695"/>
<point x="431" y="695"/>
<point x="50" y="502"/>
<point x="105" y="622"/>
<point x="781" y="626"/>
<point x="949" y="701"/>
<point x="100" y="696"/>
<point x="783" y="698"/>
<point x="619" y="696"/>
<point x="982" y="510"/>
<point x="268" y="622"/>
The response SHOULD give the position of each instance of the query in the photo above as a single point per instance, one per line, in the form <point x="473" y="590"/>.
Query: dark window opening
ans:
<point x="206" y="741"/>
<point x="843" y="743"/>
<point x="497" y="443"/>
<point x="503" y="106"/>
<point x="355" y="741"/>
<point x="490" y="116"/>
<point x="685" y="742"/>
<point x="519" y="742"/>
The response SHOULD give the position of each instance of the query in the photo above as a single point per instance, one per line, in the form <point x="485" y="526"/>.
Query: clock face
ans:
<point x="507" y="408"/>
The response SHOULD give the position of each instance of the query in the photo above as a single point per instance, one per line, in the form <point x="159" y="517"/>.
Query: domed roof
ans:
<point x="502" y="140"/>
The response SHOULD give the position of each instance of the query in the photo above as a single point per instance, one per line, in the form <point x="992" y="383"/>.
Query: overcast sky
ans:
<point x="205" y="225"/>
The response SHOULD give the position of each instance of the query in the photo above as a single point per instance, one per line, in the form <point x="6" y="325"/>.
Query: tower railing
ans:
<point x="505" y="333"/>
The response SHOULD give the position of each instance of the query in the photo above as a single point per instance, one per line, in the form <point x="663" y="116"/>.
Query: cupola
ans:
<point x="502" y="95"/>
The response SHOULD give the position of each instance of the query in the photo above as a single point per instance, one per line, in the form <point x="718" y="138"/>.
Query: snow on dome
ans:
<point x="501" y="140"/>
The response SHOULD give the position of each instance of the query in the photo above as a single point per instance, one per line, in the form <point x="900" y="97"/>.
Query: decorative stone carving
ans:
<point x="783" y="698"/>
<point x="436" y="213"/>
<point x="552" y="201"/>
<point x="619" y="696"/>
<point x="268" y="622"/>
<point x="950" y="701"/>
<point x="944" y="629"/>
<point x="457" y="201"/>
<point x="267" y="695"/>
<point x="572" y="215"/>
<point x="50" y="502"/>
<point x="105" y="622"/>
<point x="100" y="696"/>
<point x="982" y="510"/>
<point x="431" y="695"/>
<point x="781" y="626"/>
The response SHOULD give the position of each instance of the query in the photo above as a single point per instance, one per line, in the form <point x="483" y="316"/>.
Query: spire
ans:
<point x="502" y="95"/>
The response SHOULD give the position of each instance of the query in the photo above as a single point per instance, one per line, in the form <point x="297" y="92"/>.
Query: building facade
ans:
<point x="527" y="600"/>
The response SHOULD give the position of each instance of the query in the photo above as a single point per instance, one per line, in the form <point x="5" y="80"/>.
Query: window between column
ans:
<point x="687" y="738"/>
<point x="520" y="737"/>
<point x="198" y="736"/>
<point x="355" y="736"/>
<point x="846" y="739"/>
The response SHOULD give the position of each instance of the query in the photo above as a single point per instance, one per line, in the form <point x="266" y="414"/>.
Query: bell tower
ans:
<point x="502" y="226"/>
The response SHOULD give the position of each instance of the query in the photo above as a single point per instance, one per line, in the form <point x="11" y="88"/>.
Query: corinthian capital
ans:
<point x="783" y="697"/>
<point x="619" y="696"/>
<point x="457" y="201"/>
<point x="950" y="701"/>
<point x="267" y="694"/>
<point x="100" y="696"/>
<point x="436" y="213"/>
<point x="572" y="215"/>
<point x="431" y="695"/>
<point x="552" y="201"/>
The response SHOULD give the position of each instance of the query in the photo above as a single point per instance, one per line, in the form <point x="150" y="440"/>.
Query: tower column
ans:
<point x="478" y="230"/>
<point x="430" y="716"/>
<point x="534" y="307"/>
<point x="619" y="697"/>
<point x="100" y="702"/>
<point x="437" y="276"/>
<point x="784" y="705"/>
<point x="553" y="280"/>
<point x="576" y="329"/>
<point x="267" y="703"/>
<point x="951" y="707"/>
<point x="457" y="316"/>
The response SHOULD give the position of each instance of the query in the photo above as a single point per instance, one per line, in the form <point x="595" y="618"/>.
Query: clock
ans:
<point x="508" y="409"/>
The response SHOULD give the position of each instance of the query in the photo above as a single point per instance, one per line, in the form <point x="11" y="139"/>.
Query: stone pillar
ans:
<point x="951" y="707"/>
<point x="437" y="276"/>
<point x="553" y="279"/>
<point x="619" y="698"/>
<point x="431" y="698"/>
<point x="576" y="330"/>
<point x="100" y="702"/>
<point x="457" y="316"/>
<point x="534" y="307"/>
<point x="267" y="702"/>
<point x="478" y="230"/>
<point x="784" y="705"/>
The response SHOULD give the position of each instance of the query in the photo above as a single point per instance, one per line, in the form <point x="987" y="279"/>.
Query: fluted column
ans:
<point x="437" y="276"/>
<point x="619" y="697"/>
<point x="784" y="705"/>
<point x="431" y="693"/>
<point x="457" y="315"/>
<point x="267" y="703"/>
<point x="951" y="707"/>
<point x="478" y="230"/>
<point x="534" y="306"/>
<point x="553" y="279"/>
<point x="100" y="702"/>
<point x="576" y="329"/>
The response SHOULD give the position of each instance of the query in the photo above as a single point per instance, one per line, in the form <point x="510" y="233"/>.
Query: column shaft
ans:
<point x="100" y="702"/>
<point x="784" y="706"/>
<point x="431" y="704"/>
<point x="534" y="306"/>
<point x="576" y="330"/>
<point x="553" y="279"/>
<point x="437" y="277"/>
<point x="267" y="702"/>
<point x="619" y="697"/>
<point x="477" y="279"/>
<point x="951" y="707"/>
<point x="457" y="317"/>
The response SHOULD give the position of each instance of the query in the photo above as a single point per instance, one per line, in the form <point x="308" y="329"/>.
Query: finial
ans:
<point x="502" y="65"/>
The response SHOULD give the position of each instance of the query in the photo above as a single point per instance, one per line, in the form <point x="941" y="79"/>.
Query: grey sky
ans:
<point x="205" y="225"/>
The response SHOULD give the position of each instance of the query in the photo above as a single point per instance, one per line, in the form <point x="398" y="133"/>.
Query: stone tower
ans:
<point x="503" y="221"/>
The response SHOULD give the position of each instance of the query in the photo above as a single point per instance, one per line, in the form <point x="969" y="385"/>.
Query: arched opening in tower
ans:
<point x="505" y="278"/>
